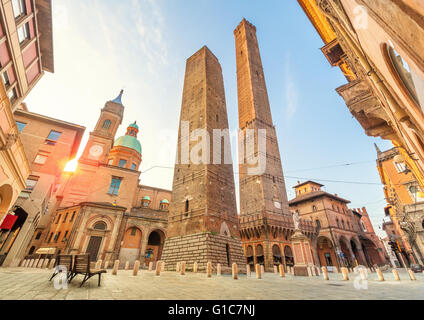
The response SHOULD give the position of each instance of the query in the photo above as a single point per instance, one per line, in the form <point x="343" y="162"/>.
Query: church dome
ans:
<point x="130" y="139"/>
<point x="146" y="198"/>
<point x="164" y="201"/>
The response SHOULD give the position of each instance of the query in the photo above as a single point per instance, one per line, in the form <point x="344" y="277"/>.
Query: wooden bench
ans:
<point x="82" y="266"/>
<point x="63" y="260"/>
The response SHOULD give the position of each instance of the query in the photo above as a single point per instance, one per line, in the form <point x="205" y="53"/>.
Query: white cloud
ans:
<point x="290" y="91"/>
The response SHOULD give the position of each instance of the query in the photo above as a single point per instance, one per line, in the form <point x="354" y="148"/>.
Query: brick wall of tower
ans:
<point x="209" y="188"/>
<point x="266" y="192"/>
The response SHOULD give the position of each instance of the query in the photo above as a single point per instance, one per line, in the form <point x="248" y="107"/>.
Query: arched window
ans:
<point x="99" y="226"/>
<point x="338" y="224"/>
<point x="38" y="236"/>
<point x="106" y="124"/>
<point x="343" y="224"/>
<point x="31" y="251"/>
<point x="413" y="83"/>
<point x="187" y="206"/>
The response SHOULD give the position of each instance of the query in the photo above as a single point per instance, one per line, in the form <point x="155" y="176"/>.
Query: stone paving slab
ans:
<point x="33" y="284"/>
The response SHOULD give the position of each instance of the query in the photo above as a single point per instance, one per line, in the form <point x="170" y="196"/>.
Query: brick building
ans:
<point x="344" y="237"/>
<point x="265" y="220"/>
<point x="101" y="208"/>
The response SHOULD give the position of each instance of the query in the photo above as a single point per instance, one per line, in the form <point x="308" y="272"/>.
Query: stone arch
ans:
<point x="6" y="196"/>
<point x="249" y="255"/>
<point x="345" y="255"/>
<point x="326" y="252"/>
<point x="97" y="218"/>
<point x="276" y="254"/>
<point x="154" y="247"/>
<point x="288" y="256"/>
<point x="260" y="256"/>
<point x="224" y="231"/>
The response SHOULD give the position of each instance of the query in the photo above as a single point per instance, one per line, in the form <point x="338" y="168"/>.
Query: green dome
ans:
<point x="133" y="125"/>
<point x="129" y="142"/>
<point x="146" y="198"/>
<point x="164" y="201"/>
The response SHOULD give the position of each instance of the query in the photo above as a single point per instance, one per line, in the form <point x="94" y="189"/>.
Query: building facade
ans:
<point x="379" y="47"/>
<point x="101" y="208"/>
<point x="405" y="203"/>
<point x="48" y="144"/>
<point x="344" y="237"/>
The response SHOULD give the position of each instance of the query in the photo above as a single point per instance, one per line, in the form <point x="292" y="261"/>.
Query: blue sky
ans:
<point x="102" y="46"/>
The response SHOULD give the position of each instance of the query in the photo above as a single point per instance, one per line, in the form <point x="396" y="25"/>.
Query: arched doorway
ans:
<point x="96" y="239"/>
<point x="249" y="256"/>
<point x="154" y="246"/>
<point x="131" y="244"/>
<point x="355" y="250"/>
<point x="370" y="251"/>
<point x="11" y="232"/>
<point x="326" y="253"/>
<point x="260" y="258"/>
<point x="345" y="255"/>
<point x="288" y="256"/>
<point x="276" y="253"/>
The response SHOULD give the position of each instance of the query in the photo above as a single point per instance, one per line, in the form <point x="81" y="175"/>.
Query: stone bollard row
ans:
<point x="127" y="265"/>
<point x="52" y="263"/>
<point x="218" y="269"/>
<point x="345" y="274"/>
<point x="209" y="269"/>
<point x="106" y="264"/>
<point x="262" y="269"/>
<point x="412" y="275"/>
<point x="275" y="269"/>
<point x="98" y="264"/>
<point x="40" y="263"/>
<point x="379" y="274"/>
<point x="183" y="267"/>
<point x="158" y="268"/>
<point x="178" y="267"/>
<point x="396" y="274"/>
<point x="325" y="273"/>
<point x="195" y="267"/>
<point x="258" y="271"/>
<point x="234" y="270"/>
<point x="162" y="266"/>
<point x="248" y="270"/>
<point x="281" y="267"/>
<point x="363" y="274"/>
<point x="150" y="266"/>
<point x="136" y="267"/>
<point x="46" y="263"/>
<point x="115" y="268"/>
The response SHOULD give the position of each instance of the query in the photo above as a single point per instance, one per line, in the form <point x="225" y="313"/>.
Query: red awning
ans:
<point x="8" y="222"/>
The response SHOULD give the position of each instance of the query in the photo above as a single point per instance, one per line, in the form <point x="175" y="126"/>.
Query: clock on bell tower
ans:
<point x="101" y="138"/>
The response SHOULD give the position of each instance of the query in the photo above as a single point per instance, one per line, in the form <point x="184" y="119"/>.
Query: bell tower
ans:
<point x="101" y="138"/>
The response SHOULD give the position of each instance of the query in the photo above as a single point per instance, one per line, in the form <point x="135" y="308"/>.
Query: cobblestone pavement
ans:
<point x="28" y="284"/>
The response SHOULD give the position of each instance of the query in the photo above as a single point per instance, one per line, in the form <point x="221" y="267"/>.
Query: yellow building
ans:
<point x="378" y="46"/>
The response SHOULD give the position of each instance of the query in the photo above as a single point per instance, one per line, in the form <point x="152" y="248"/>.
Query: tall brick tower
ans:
<point x="266" y="222"/>
<point x="203" y="222"/>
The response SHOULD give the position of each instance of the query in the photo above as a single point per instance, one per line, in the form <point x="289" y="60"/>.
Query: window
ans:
<point x="400" y="167"/>
<point x="122" y="163"/>
<point x="11" y="94"/>
<point x="64" y="236"/>
<point x="56" y="237"/>
<point x="328" y="260"/>
<point x="5" y="79"/>
<point x="338" y="224"/>
<point x="314" y="208"/>
<point x="58" y="218"/>
<point x="38" y="236"/>
<point x="343" y="224"/>
<point x="40" y="159"/>
<point x="53" y="137"/>
<point x="31" y="251"/>
<point x="73" y="216"/>
<point x="21" y="126"/>
<point x="413" y="83"/>
<point x="133" y="166"/>
<point x="100" y="226"/>
<point x="18" y="8"/>
<point x="31" y="182"/>
<point x="50" y="237"/>
<point x="66" y="216"/>
<point x="23" y="33"/>
<point x="106" y="124"/>
<point x="114" y="185"/>
<point x="133" y="231"/>
<point x="187" y="206"/>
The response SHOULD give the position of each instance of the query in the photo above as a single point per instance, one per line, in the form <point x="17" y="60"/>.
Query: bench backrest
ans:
<point x="64" y="260"/>
<point x="82" y="263"/>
